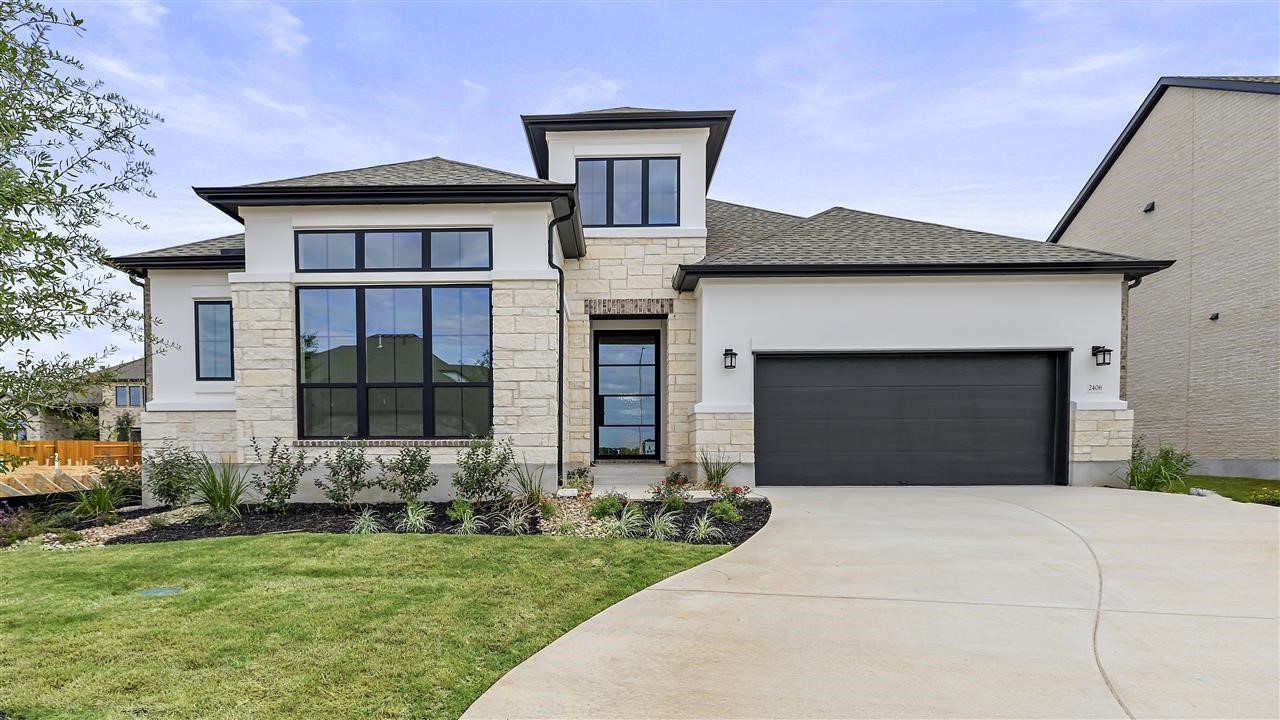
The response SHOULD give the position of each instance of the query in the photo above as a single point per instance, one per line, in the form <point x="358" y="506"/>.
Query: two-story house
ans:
<point x="606" y="311"/>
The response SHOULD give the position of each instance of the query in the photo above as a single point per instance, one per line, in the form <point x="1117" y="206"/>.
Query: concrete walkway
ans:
<point x="941" y="602"/>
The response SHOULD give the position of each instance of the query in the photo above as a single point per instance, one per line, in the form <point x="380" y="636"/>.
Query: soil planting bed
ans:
<point x="755" y="513"/>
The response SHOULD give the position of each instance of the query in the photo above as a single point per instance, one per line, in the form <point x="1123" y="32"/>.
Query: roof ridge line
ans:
<point x="762" y="238"/>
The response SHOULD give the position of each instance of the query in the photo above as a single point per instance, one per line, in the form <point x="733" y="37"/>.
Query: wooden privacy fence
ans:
<point x="72" y="452"/>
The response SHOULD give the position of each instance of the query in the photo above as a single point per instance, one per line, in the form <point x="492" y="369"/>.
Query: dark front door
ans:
<point x="960" y="418"/>
<point x="626" y="406"/>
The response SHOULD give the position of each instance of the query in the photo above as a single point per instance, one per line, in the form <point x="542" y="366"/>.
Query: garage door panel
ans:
<point x="945" y="418"/>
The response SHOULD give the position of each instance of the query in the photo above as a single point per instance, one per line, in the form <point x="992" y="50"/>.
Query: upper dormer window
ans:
<point x="629" y="192"/>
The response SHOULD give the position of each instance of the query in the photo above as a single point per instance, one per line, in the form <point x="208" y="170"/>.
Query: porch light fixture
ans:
<point x="1101" y="355"/>
<point x="730" y="359"/>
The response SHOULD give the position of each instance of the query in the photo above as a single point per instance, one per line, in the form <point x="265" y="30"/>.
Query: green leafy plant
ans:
<point x="579" y="479"/>
<point x="281" y="473"/>
<point x="607" y="505"/>
<point x="568" y="527"/>
<point x="170" y="473"/>
<point x="1265" y="497"/>
<point x="515" y="521"/>
<point x="1164" y="470"/>
<point x="483" y="469"/>
<point x="725" y="511"/>
<point x="663" y="526"/>
<point x="528" y="484"/>
<point x="366" y="523"/>
<point x="672" y="492"/>
<point x="715" y="468"/>
<point x="99" y="503"/>
<point x="222" y="487"/>
<point x="128" y="478"/>
<point x="124" y="426"/>
<point x="346" y="475"/>
<point x="629" y="523"/>
<point x="468" y="522"/>
<point x="415" y="517"/>
<point x="408" y="473"/>
<point x="547" y="507"/>
<point x="67" y="536"/>
<point x="459" y="508"/>
<point x="735" y="495"/>
<point x="703" y="530"/>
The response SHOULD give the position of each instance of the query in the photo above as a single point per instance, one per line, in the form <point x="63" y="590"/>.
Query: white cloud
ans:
<point x="474" y="94"/>
<point x="579" y="90"/>
<point x="1086" y="65"/>
<point x="281" y="29"/>
<point x="265" y="100"/>
<point x="123" y="70"/>
<point x="144" y="12"/>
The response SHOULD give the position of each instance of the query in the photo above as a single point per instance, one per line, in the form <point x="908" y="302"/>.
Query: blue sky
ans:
<point x="983" y="115"/>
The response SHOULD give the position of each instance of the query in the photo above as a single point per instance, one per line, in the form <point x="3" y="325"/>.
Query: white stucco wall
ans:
<point x="690" y="145"/>
<point x="908" y="313"/>
<point x="173" y="365"/>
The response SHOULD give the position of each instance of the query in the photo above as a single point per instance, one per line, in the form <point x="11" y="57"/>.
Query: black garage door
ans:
<point x="910" y="419"/>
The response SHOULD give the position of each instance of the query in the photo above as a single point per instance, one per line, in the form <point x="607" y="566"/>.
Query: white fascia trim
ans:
<point x="727" y="408"/>
<point x="248" y="277"/>
<point x="665" y="231"/>
<point x="193" y="405"/>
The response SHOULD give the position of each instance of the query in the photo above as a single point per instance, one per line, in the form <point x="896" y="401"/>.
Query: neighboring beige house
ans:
<point x="1195" y="176"/>
<point x="125" y="396"/>
<point x="604" y="310"/>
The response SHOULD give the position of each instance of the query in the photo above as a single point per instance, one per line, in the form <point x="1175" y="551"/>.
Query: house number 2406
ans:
<point x="1095" y="388"/>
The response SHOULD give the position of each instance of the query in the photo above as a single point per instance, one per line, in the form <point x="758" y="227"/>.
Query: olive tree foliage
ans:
<point x="68" y="148"/>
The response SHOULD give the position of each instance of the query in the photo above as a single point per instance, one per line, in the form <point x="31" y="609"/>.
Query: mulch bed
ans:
<point x="298" y="517"/>
<point x="327" y="518"/>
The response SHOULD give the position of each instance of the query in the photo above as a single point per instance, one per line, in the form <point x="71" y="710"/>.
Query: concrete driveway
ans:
<point x="977" y="602"/>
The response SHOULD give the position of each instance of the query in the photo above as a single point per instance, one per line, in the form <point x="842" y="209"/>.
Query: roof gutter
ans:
<point x="1131" y="129"/>
<point x="687" y="276"/>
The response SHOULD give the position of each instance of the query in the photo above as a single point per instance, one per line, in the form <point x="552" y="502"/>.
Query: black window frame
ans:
<point x="128" y="395"/>
<point x="362" y="385"/>
<point x="231" y="341"/>
<point x="359" y="250"/>
<point x="598" y="397"/>
<point x="644" y="185"/>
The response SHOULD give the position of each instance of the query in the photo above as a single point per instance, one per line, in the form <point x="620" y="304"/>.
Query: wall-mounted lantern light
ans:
<point x="730" y="359"/>
<point x="1101" y="355"/>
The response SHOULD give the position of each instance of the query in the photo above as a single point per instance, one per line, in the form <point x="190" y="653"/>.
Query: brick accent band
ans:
<point x="629" y="306"/>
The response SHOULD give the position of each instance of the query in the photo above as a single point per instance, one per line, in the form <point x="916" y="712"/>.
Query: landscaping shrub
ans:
<point x="580" y="479"/>
<point x="347" y="470"/>
<point x="629" y="523"/>
<point x="672" y="492"/>
<point x="99" y="503"/>
<point x="703" y="530"/>
<point x="281" y="473"/>
<point x="465" y="515"/>
<point x="515" y="521"/>
<point x="67" y="536"/>
<point x="735" y="495"/>
<point x="222" y="487"/>
<point x="1164" y="470"/>
<point x="407" y="474"/>
<point x="483" y="469"/>
<point x="128" y="478"/>
<point x="171" y="473"/>
<point x="458" y="509"/>
<point x="547" y="507"/>
<point x="415" y="517"/>
<point x="663" y="525"/>
<point x="528" y="485"/>
<point x="1265" y="497"/>
<point x="18" y="524"/>
<point x="725" y="511"/>
<point x="607" y="506"/>
<point x="366" y="523"/>
<point x="124" y="426"/>
<point x="715" y="468"/>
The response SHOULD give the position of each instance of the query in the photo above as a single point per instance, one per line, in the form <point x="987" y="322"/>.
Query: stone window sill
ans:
<point x="381" y="443"/>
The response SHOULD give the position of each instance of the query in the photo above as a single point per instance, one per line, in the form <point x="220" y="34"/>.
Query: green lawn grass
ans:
<point x="300" y="626"/>
<point x="1236" y="488"/>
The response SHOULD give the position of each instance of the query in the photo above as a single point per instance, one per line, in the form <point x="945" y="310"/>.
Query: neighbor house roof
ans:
<point x="840" y="241"/>
<point x="131" y="370"/>
<point x="425" y="181"/>
<point x="222" y="252"/>
<point x="717" y="122"/>
<point x="1240" y="83"/>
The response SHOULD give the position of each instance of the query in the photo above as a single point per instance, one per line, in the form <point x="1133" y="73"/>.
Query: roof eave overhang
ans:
<point x="140" y="265"/>
<point x="1131" y="129"/>
<point x="687" y="276"/>
<point x="230" y="199"/>
<point x="717" y="122"/>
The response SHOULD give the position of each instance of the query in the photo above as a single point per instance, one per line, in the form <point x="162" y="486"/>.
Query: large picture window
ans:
<point x="213" y="340"/>
<point x="394" y="362"/>
<point x="386" y="250"/>
<point x="629" y="192"/>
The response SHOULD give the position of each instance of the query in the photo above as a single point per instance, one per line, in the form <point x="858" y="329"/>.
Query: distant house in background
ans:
<point x="1195" y="176"/>
<point x="94" y="415"/>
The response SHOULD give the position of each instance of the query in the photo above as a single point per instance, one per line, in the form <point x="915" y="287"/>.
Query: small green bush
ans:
<point x="67" y="536"/>
<point x="97" y="503"/>
<point x="703" y="530"/>
<point x="171" y="473"/>
<point x="674" y="504"/>
<point x="407" y="474"/>
<point x="128" y="478"/>
<point x="347" y="475"/>
<point x="715" y="468"/>
<point x="16" y="525"/>
<point x="547" y="507"/>
<point x="629" y="523"/>
<point x="1162" y="471"/>
<point x="415" y="517"/>
<point x="366" y="523"/>
<point x="663" y="526"/>
<point x="281" y="473"/>
<point x="580" y="479"/>
<point x="1265" y="497"/>
<point x="483" y="469"/>
<point x="459" y="509"/>
<point x="607" y="506"/>
<point x="222" y="487"/>
<point x="725" y="511"/>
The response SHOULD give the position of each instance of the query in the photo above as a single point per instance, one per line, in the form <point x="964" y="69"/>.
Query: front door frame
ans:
<point x="597" y="404"/>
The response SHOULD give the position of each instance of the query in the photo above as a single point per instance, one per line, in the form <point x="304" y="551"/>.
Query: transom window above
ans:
<point x="629" y="192"/>
<point x="382" y="250"/>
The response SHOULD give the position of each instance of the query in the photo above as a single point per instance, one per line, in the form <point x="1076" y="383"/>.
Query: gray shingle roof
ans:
<point x="840" y="236"/>
<point x="427" y="171"/>
<point x="199" y="248"/>
<point x="624" y="109"/>
<point x="1238" y="78"/>
<point x="131" y="370"/>
<point x="730" y="225"/>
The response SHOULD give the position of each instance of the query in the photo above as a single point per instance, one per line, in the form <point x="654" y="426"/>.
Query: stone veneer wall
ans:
<point x="730" y="435"/>
<point x="266" y="381"/>
<point x="525" y="338"/>
<point x="210" y="432"/>
<point x="1105" y="435"/>
<point x="628" y="268"/>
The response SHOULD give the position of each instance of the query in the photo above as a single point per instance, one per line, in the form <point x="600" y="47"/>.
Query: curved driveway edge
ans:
<point x="941" y="602"/>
